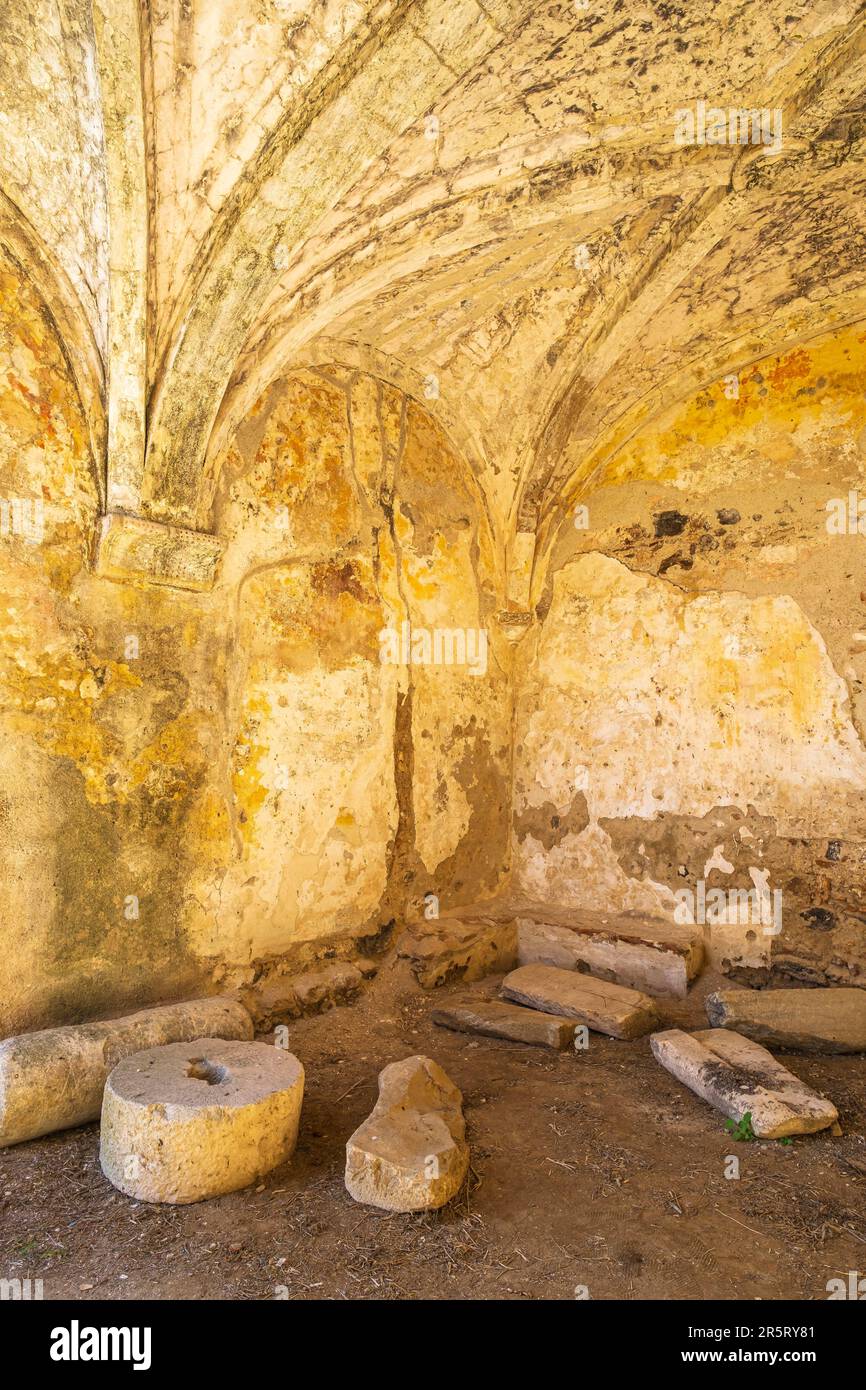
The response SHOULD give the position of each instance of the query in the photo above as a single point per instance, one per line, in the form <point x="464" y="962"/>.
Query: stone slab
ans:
<point x="634" y="927"/>
<point x="739" y="1077"/>
<point x="653" y="967"/>
<point x="605" y="1007"/>
<point x="55" y="1078"/>
<point x="495" y="1019"/>
<point x="804" y="1020"/>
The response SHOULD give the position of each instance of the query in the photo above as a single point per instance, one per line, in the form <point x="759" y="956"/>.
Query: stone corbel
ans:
<point x="128" y="548"/>
<point x="514" y="623"/>
<point x="515" y="619"/>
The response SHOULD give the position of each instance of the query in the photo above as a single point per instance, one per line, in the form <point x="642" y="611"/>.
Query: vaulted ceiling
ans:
<point x="481" y="201"/>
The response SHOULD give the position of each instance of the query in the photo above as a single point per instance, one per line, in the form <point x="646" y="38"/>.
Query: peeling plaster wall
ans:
<point x="690" y="704"/>
<point x="197" y="785"/>
<point x="357" y="785"/>
<point x="103" y="752"/>
<point x="260" y="235"/>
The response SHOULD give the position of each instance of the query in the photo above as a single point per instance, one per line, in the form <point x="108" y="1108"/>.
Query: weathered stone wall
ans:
<point x="690" y="704"/>
<point x="195" y="784"/>
<point x="338" y="304"/>
<point x="357" y="784"/>
<point x="106" y="719"/>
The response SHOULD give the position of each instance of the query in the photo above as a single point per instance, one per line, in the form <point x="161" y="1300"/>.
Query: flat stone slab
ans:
<point x="659" y="957"/>
<point x="458" y="948"/>
<point x="195" y="1120"/>
<point x="411" y="1153"/>
<point x="607" y="1008"/>
<point x="739" y="1077"/>
<point x="55" y="1078"/>
<point x="805" y="1020"/>
<point x="495" y="1019"/>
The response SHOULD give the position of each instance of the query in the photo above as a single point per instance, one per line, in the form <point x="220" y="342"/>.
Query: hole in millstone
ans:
<point x="200" y="1069"/>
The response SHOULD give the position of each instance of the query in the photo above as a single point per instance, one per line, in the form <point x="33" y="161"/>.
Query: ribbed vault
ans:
<point x="484" y="199"/>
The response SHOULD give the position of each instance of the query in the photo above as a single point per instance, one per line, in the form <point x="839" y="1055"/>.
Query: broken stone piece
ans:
<point x="608" y="1008"/>
<point x="411" y="1153"/>
<point x="659" y="957"/>
<point x="197" y="1119"/>
<point x="496" y="1019"/>
<point x="740" y="1077"/>
<point x="452" y="948"/>
<point x="806" y="1020"/>
<point x="291" y="996"/>
<point x="54" y="1079"/>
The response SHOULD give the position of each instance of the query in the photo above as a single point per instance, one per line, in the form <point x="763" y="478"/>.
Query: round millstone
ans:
<point x="197" y="1119"/>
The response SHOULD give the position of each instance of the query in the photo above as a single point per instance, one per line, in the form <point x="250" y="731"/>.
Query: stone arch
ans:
<point x="349" y="357"/>
<point x="695" y="677"/>
<point x="354" y="780"/>
<point x="74" y="334"/>
<point x="383" y="79"/>
<point x="779" y="335"/>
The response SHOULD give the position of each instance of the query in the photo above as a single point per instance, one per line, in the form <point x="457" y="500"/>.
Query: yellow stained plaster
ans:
<point x="777" y="394"/>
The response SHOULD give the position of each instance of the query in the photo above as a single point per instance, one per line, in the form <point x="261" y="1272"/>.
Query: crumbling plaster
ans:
<point x="696" y="679"/>
<point x="200" y="783"/>
<point x="321" y="317"/>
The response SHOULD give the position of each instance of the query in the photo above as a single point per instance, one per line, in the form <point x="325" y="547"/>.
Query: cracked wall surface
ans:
<point x="327" y="319"/>
<point x="690" y="706"/>
<point x="357" y="784"/>
<point x="197" y="785"/>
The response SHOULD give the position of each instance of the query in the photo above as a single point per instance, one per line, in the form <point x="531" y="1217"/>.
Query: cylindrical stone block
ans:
<point x="195" y="1120"/>
<point x="54" y="1079"/>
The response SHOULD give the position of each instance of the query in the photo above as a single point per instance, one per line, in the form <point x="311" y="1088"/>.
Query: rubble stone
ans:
<point x="453" y="948"/>
<point x="411" y="1153"/>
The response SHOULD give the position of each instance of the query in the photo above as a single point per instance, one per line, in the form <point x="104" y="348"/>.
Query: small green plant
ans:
<point x="32" y="1249"/>
<point x="741" y="1129"/>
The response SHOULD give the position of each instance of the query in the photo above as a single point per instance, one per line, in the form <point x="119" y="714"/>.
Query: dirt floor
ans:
<point x="593" y="1171"/>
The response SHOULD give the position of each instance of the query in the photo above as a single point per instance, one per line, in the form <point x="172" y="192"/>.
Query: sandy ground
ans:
<point x="593" y="1171"/>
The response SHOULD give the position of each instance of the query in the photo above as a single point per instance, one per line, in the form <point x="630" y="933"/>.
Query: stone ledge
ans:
<point x="129" y="548"/>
